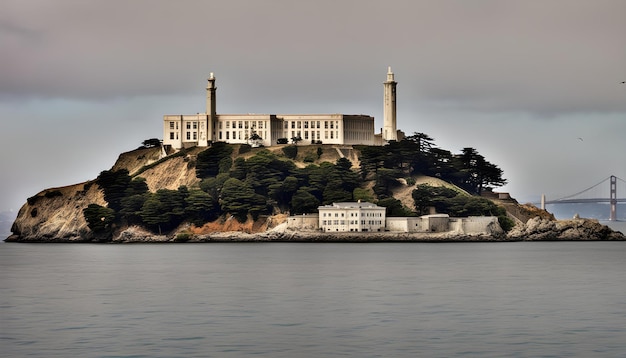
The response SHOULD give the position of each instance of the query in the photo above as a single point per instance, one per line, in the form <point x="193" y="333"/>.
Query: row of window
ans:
<point x="188" y="135"/>
<point x="244" y="124"/>
<point x="314" y="124"/>
<point x="239" y="135"/>
<point x="351" y="222"/>
<point x="354" y="214"/>
<point x="188" y="125"/>
<point x="333" y="134"/>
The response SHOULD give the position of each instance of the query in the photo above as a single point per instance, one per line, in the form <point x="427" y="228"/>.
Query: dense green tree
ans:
<point x="99" y="218"/>
<point x="265" y="169"/>
<point x="290" y="151"/>
<point x="131" y="208"/>
<point x="239" y="199"/>
<point x="153" y="213"/>
<point x="225" y="164"/>
<point x="199" y="207"/>
<point x="386" y="180"/>
<point x="340" y="182"/>
<point x="213" y="187"/>
<point x="417" y="148"/>
<point x="244" y="148"/>
<point x="474" y="172"/>
<point x="208" y="161"/>
<point x="426" y="196"/>
<point x="372" y="158"/>
<point x="137" y="186"/>
<point x="239" y="170"/>
<point x="304" y="202"/>
<point x="394" y="207"/>
<point x="282" y="192"/>
<point x="165" y="209"/>
<point x="362" y="194"/>
<point x="440" y="164"/>
<point x="152" y="142"/>
<point x="114" y="185"/>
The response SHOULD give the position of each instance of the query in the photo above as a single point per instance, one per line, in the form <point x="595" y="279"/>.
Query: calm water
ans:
<point x="314" y="300"/>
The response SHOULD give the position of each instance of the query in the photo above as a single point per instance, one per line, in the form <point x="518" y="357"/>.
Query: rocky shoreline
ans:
<point x="536" y="229"/>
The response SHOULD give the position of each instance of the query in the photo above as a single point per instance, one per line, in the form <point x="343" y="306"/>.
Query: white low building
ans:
<point x="351" y="216"/>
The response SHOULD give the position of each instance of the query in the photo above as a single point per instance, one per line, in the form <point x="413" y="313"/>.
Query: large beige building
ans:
<point x="187" y="130"/>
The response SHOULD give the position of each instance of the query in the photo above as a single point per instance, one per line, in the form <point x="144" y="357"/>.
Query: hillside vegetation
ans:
<point x="238" y="187"/>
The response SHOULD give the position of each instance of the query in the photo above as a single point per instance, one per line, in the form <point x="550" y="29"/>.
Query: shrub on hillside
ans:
<point x="290" y="151"/>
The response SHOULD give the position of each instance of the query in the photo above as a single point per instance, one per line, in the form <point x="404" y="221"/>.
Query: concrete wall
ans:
<point x="303" y="222"/>
<point x="475" y="225"/>
<point x="427" y="223"/>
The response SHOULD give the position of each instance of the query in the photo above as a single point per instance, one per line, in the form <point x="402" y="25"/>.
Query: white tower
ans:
<point x="390" y="130"/>
<point x="211" y="114"/>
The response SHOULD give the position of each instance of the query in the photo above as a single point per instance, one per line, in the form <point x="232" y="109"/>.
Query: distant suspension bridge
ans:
<point x="582" y="197"/>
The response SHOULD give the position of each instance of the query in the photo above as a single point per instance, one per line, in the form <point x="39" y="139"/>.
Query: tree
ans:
<point x="199" y="207"/>
<point x="362" y="194"/>
<point x="208" y="161"/>
<point x="304" y="202"/>
<point x="131" y="208"/>
<point x="372" y="159"/>
<point x="422" y="145"/>
<point x="152" y="142"/>
<point x="282" y="192"/>
<point x="256" y="139"/>
<point x="165" y="209"/>
<point x="426" y="196"/>
<point x="394" y="207"/>
<point x="114" y="185"/>
<point x="239" y="199"/>
<point x="295" y="140"/>
<point x="213" y="187"/>
<point x="99" y="218"/>
<point x="290" y="151"/>
<point x="475" y="172"/>
<point x="386" y="179"/>
<point x="137" y="186"/>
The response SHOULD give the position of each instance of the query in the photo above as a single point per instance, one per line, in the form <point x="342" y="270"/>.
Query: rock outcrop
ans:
<point x="57" y="215"/>
<point x="542" y="229"/>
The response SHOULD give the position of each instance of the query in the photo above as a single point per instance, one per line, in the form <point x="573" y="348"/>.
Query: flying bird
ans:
<point x="580" y="139"/>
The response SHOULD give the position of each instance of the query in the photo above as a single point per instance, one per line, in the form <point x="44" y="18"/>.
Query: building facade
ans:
<point x="188" y="130"/>
<point x="351" y="216"/>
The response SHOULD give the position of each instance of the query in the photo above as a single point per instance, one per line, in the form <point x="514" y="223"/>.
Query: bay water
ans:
<point x="522" y="299"/>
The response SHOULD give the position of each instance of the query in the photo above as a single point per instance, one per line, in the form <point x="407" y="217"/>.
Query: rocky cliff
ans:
<point x="57" y="214"/>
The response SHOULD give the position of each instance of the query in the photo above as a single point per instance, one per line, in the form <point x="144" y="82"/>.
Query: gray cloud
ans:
<point x="470" y="73"/>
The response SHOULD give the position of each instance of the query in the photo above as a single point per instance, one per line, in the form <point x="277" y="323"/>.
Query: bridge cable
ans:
<point x="583" y="191"/>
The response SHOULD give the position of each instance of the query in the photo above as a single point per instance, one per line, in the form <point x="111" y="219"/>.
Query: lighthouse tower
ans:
<point x="389" y="116"/>
<point x="211" y="114"/>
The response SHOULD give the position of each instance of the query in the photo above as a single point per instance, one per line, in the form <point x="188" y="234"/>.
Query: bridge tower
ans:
<point x="613" y="198"/>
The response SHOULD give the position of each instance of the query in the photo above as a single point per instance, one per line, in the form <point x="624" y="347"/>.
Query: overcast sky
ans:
<point x="534" y="86"/>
